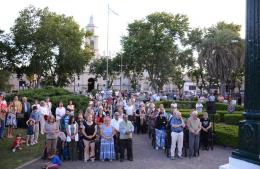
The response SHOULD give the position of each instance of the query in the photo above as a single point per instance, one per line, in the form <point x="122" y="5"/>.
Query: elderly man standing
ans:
<point x="25" y="111"/>
<point x="194" y="126"/>
<point x="177" y="125"/>
<point x="115" y="123"/>
<point x="126" y="129"/>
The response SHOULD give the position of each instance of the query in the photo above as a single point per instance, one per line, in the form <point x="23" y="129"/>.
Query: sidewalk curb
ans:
<point x="28" y="163"/>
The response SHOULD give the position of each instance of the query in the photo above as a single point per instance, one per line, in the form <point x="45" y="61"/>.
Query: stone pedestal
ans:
<point x="239" y="164"/>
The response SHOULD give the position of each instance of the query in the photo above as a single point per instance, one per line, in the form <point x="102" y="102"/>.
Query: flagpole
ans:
<point x="107" y="44"/>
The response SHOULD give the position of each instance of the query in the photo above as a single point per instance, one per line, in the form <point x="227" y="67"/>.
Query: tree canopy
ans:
<point x="98" y="68"/>
<point x="222" y="52"/>
<point x="49" y="45"/>
<point x="154" y="44"/>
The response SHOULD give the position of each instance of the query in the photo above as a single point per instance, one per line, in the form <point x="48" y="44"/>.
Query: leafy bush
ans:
<point x="216" y="117"/>
<point x="223" y="107"/>
<point x="39" y="94"/>
<point x="226" y="135"/>
<point x="55" y="94"/>
<point x="80" y="102"/>
<point x="221" y="116"/>
<point x="233" y="119"/>
<point x="239" y="108"/>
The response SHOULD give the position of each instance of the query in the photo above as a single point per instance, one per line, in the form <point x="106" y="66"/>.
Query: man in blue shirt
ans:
<point x="65" y="121"/>
<point x="177" y="126"/>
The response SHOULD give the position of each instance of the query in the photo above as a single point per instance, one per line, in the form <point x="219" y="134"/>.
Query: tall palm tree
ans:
<point x="222" y="54"/>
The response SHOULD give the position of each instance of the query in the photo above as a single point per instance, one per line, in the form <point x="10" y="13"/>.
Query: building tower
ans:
<point x="93" y="40"/>
<point x="86" y="82"/>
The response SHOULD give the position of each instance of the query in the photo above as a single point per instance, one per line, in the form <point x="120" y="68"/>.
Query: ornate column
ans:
<point x="249" y="129"/>
<point x="247" y="156"/>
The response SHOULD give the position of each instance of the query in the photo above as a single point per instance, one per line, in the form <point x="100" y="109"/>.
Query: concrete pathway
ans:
<point x="145" y="157"/>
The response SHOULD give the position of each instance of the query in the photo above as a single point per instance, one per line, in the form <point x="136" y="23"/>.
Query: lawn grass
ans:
<point x="11" y="160"/>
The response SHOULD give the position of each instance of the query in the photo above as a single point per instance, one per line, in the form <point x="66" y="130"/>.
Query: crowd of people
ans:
<point x="105" y="129"/>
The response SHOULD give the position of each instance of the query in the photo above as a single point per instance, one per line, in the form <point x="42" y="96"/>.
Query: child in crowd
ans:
<point x="17" y="143"/>
<point x="61" y="144"/>
<point x="54" y="163"/>
<point x="30" y="132"/>
<point x="11" y="120"/>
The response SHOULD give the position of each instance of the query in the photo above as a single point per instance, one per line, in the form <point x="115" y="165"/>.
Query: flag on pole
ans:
<point x="113" y="11"/>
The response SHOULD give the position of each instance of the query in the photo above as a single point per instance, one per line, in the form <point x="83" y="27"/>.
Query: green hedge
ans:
<point x="192" y="104"/>
<point x="233" y="119"/>
<point x="216" y="116"/>
<point x="80" y="102"/>
<point x="39" y="94"/>
<point x="56" y="95"/>
<point x="226" y="135"/>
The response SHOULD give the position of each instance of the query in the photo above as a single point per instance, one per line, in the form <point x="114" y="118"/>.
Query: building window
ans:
<point x="192" y="87"/>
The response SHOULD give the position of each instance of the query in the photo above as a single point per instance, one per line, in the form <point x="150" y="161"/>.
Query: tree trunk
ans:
<point x="210" y="86"/>
<point x="38" y="83"/>
<point x="222" y="88"/>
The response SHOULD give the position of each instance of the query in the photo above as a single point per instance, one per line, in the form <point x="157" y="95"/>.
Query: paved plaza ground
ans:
<point x="145" y="157"/>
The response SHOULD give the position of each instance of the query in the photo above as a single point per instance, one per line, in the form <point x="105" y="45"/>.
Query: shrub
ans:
<point x="221" y="116"/>
<point x="80" y="102"/>
<point x="226" y="135"/>
<point x="39" y="94"/>
<point x="185" y="115"/>
<point x="55" y="94"/>
<point x="239" y="108"/>
<point x="233" y="119"/>
<point x="216" y="117"/>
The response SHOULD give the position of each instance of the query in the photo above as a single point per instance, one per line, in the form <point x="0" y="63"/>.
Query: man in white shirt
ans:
<point x="129" y="109"/>
<point x="60" y="112"/>
<point x="43" y="110"/>
<point x="115" y="123"/>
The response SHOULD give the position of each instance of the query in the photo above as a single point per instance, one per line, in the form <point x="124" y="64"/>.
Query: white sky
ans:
<point x="201" y="13"/>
